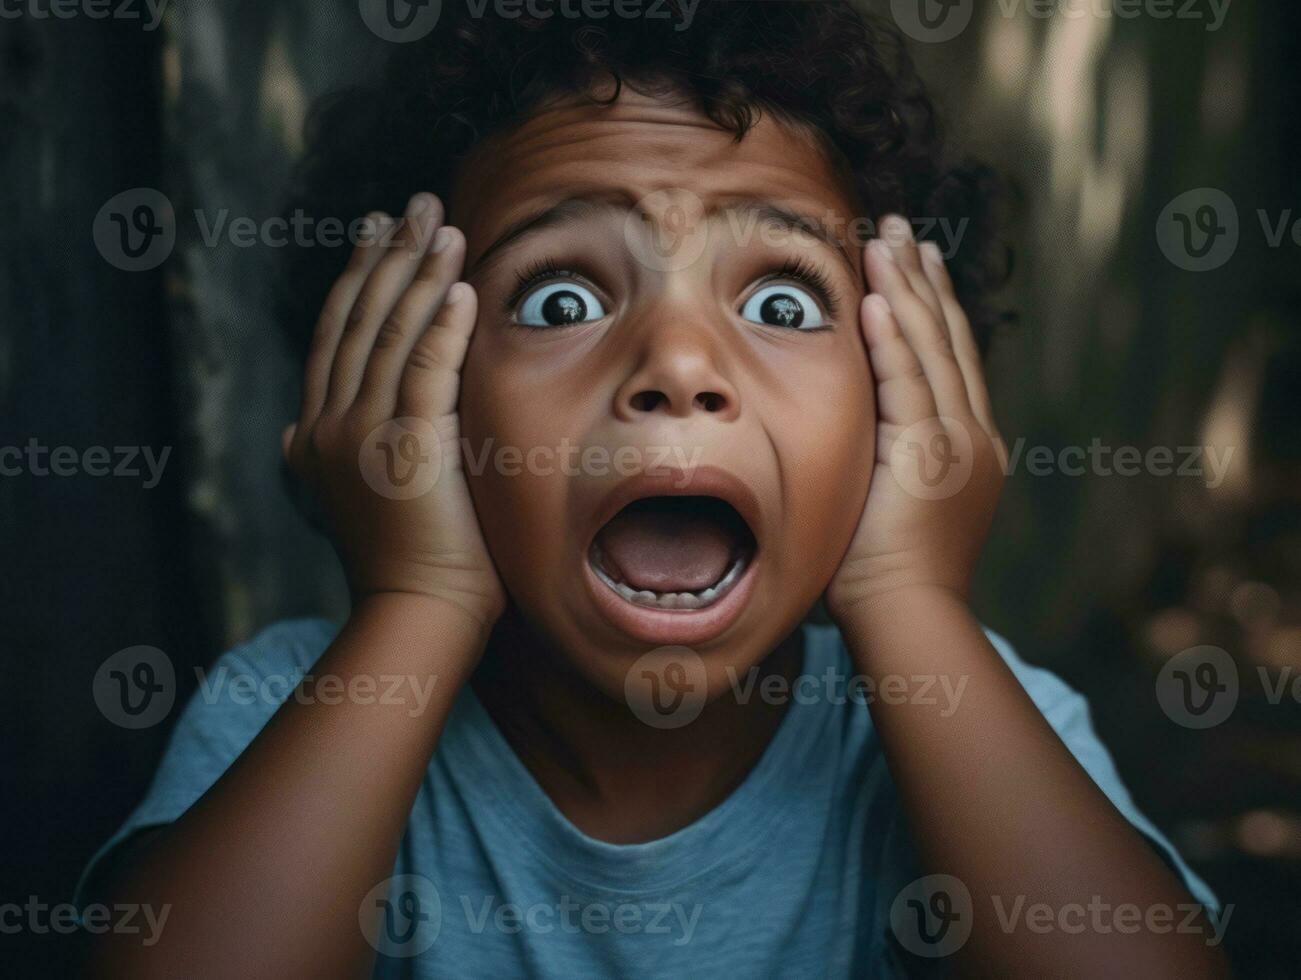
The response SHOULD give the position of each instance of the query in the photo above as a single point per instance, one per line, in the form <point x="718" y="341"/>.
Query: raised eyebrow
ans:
<point x="568" y="209"/>
<point x="579" y="206"/>
<point x="795" y="221"/>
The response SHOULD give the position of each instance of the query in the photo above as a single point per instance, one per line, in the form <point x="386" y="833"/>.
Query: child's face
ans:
<point x="673" y="355"/>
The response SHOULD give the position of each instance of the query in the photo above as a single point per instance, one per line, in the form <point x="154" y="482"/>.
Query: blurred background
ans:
<point x="1158" y="233"/>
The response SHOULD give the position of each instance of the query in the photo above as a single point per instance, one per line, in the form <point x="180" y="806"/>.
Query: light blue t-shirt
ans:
<point x="793" y="875"/>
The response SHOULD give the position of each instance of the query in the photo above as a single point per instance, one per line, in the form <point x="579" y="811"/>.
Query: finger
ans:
<point x="897" y="232"/>
<point x="921" y="328"/>
<point x="431" y="379"/>
<point x="334" y="314"/>
<point x="413" y="313"/>
<point x="960" y="335"/>
<point x="903" y="395"/>
<point x="384" y="287"/>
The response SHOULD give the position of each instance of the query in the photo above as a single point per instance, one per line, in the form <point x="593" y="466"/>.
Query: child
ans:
<point x="593" y="428"/>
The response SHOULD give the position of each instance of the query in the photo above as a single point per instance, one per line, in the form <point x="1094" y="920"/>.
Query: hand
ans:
<point x="939" y="459"/>
<point x="377" y="442"/>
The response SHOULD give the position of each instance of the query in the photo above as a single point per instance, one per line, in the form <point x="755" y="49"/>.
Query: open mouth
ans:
<point x="673" y="553"/>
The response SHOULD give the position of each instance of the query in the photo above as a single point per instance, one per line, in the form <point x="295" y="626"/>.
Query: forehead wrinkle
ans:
<point x="544" y="134"/>
<point x="636" y="151"/>
<point x="621" y="201"/>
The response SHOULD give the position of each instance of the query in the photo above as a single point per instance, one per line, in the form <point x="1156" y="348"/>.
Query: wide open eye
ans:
<point x="783" y="305"/>
<point x="558" y="304"/>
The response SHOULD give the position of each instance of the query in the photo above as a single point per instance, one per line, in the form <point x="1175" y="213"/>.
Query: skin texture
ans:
<point x="792" y="410"/>
<point x="791" y="417"/>
<point x="265" y="874"/>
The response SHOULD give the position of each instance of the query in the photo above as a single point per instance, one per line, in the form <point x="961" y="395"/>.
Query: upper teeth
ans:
<point x="676" y="600"/>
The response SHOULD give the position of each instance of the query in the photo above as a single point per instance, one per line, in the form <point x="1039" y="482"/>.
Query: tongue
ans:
<point x="666" y="552"/>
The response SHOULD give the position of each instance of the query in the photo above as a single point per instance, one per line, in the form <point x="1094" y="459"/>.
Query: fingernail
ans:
<point x="443" y="238"/>
<point x="879" y="303"/>
<point x="896" y="229"/>
<point x="458" y="293"/>
<point x="418" y="204"/>
<point x="931" y="252"/>
<point x="881" y="248"/>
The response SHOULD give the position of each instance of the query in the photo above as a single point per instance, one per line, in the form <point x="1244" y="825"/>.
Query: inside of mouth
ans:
<point x="687" y="549"/>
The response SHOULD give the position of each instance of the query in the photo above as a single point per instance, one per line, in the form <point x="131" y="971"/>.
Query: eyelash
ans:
<point x="806" y="273"/>
<point x="800" y="270"/>
<point x="535" y="274"/>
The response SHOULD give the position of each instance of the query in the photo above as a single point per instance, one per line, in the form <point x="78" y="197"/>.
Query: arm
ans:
<point x="266" y="873"/>
<point x="992" y="795"/>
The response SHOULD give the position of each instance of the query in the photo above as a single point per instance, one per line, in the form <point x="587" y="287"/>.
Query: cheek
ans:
<point x="828" y="448"/>
<point x="514" y="436"/>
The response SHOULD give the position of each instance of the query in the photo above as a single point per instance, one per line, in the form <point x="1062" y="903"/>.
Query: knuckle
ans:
<point x="425" y="359"/>
<point x="358" y="315"/>
<point x="354" y="428"/>
<point x="320" y="440"/>
<point x="391" y="332"/>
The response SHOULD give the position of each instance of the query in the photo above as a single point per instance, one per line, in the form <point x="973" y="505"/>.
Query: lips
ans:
<point x="673" y="558"/>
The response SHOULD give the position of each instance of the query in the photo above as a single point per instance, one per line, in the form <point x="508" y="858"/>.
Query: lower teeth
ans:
<point x="676" y="600"/>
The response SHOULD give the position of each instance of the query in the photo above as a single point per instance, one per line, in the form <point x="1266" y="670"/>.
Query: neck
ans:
<point x="612" y="776"/>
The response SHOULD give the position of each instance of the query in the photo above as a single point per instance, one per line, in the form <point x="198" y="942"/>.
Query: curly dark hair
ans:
<point x="823" y="64"/>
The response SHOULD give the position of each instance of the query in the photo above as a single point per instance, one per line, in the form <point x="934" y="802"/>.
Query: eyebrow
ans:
<point x="569" y="209"/>
<point x="584" y="205"/>
<point x="795" y="221"/>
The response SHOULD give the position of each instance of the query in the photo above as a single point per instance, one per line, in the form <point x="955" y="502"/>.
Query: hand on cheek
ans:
<point x="939" y="459"/>
<point x="377" y="439"/>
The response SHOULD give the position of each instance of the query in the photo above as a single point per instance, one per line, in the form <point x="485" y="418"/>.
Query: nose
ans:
<point x="678" y="375"/>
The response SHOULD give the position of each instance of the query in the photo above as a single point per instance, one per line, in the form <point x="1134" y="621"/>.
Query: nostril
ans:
<point x="711" y="401"/>
<point x="648" y="401"/>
